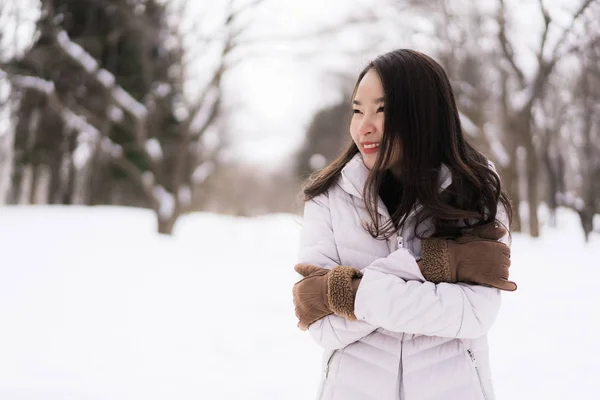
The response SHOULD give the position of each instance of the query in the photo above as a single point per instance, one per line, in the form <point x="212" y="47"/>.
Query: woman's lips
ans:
<point x="370" y="147"/>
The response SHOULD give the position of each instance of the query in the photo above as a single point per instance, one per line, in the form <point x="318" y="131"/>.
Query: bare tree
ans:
<point x="325" y="138"/>
<point x="517" y="105"/>
<point x="588" y="95"/>
<point x="165" y="181"/>
<point x="552" y="119"/>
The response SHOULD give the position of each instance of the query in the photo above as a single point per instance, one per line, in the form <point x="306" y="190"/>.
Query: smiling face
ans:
<point x="366" y="126"/>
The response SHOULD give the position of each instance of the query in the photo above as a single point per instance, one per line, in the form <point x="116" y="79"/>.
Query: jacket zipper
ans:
<point x="400" y="244"/>
<point x="472" y="356"/>
<point x="400" y="370"/>
<point x="326" y="374"/>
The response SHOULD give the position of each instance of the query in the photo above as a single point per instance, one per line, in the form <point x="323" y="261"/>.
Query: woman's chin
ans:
<point x="368" y="163"/>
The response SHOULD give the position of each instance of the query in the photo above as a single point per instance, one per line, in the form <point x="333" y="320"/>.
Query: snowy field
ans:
<point x="94" y="305"/>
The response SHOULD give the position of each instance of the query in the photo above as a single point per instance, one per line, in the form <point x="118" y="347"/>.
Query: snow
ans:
<point x="492" y="133"/>
<point x="317" y="161"/>
<point x="180" y="112"/>
<point x="499" y="151"/>
<point x="106" y="78"/>
<point x="126" y="101"/>
<point x="95" y="305"/>
<point x="7" y="139"/>
<point x="153" y="149"/>
<point x="468" y="126"/>
<point x="162" y="89"/>
<point x="520" y="98"/>
<point x="166" y="202"/>
<point x="148" y="178"/>
<point x="83" y="58"/>
<point x="115" y="114"/>
<point x="76" y="52"/>
<point x="78" y="123"/>
<point x="202" y="172"/>
<point x="31" y="82"/>
<point x="82" y="154"/>
<point x="205" y="111"/>
<point x="113" y="149"/>
<point x="185" y="195"/>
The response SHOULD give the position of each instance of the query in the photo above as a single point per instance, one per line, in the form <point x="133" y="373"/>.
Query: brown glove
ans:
<point x="325" y="291"/>
<point x="476" y="257"/>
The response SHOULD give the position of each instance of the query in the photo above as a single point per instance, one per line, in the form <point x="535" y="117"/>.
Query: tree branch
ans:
<point x="506" y="45"/>
<point x="206" y="115"/>
<point x="107" y="80"/>
<point x="75" y="121"/>
<point x="317" y="34"/>
<point x="547" y="20"/>
<point x="567" y="31"/>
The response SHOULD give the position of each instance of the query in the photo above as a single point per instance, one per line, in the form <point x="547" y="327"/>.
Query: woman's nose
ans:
<point x="366" y="126"/>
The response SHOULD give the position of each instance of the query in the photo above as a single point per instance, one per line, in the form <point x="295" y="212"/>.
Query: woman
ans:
<point x="392" y="231"/>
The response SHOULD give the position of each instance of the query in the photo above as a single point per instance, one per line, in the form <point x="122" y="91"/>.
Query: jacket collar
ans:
<point x="354" y="177"/>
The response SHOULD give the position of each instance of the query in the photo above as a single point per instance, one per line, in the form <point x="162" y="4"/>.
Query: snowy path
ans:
<point x="94" y="305"/>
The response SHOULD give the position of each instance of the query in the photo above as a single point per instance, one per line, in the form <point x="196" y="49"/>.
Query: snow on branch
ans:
<point x="76" y="122"/>
<point x="76" y="52"/>
<point x="206" y="111"/>
<point x="202" y="172"/>
<point x="89" y="137"/>
<point x="71" y="119"/>
<point x="88" y="133"/>
<point x="166" y="202"/>
<point x="185" y="195"/>
<point x="153" y="149"/>
<point x="567" y="31"/>
<point x="104" y="77"/>
<point x="468" y="126"/>
<point x="130" y="104"/>
<point x="498" y="151"/>
<point x="109" y="147"/>
<point x="30" y="82"/>
<point x="568" y="199"/>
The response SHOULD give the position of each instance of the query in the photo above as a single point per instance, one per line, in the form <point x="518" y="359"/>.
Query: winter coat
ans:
<point x="413" y="340"/>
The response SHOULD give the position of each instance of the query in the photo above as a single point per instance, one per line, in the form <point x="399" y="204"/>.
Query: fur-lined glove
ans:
<point x="325" y="291"/>
<point x="476" y="257"/>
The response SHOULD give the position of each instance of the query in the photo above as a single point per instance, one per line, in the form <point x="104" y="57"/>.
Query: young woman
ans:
<point x="403" y="246"/>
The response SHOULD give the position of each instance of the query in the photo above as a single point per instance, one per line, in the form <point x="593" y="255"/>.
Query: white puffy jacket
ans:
<point x="414" y="340"/>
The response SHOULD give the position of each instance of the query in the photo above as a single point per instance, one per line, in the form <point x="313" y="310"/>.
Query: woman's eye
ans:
<point x="355" y="111"/>
<point x="380" y="109"/>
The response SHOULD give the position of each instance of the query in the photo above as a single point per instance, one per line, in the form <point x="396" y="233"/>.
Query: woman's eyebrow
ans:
<point x="376" y="101"/>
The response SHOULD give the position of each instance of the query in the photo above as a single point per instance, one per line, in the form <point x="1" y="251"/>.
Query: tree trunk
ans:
<point x="532" y="189"/>
<point x="55" y="182"/>
<point x="15" y="183"/>
<point x="552" y="187"/>
<point x="165" y="226"/>
<point x="23" y="192"/>
<point x="510" y="183"/>
<point x="33" y="183"/>
<point x="41" y="187"/>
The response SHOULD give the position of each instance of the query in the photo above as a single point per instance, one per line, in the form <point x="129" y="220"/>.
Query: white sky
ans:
<point x="283" y="92"/>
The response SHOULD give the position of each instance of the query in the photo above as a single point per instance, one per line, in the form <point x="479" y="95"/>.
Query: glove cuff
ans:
<point x="435" y="261"/>
<point x="340" y="293"/>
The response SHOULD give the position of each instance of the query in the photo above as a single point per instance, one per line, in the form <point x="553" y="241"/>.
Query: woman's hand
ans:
<point x="323" y="292"/>
<point x="476" y="257"/>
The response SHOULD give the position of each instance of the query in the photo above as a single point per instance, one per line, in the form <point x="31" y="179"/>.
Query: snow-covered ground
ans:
<point x="94" y="305"/>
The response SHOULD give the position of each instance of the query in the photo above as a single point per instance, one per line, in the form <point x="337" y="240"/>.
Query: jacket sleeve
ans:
<point x="317" y="247"/>
<point x="448" y="310"/>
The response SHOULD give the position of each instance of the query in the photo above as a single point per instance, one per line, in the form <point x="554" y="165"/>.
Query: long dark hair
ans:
<point x="422" y="120"/>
